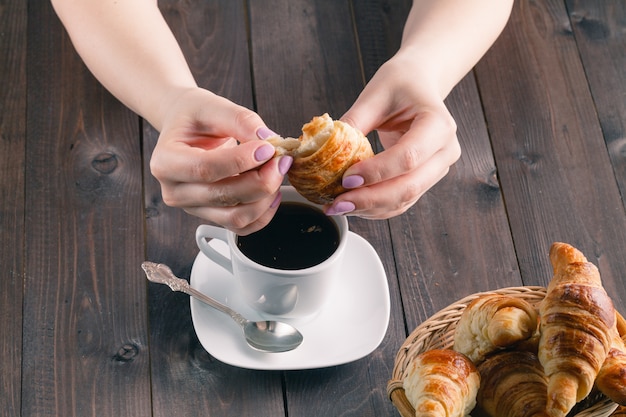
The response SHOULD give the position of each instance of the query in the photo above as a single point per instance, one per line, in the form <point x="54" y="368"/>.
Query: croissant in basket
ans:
<point x="441" y="383"/>
<point x="324" y="151"/>
<point x="577" y="318"/>
<point x="512" y="384"/>
<point x="492" y="322"/>
<point x="611" y="379"/>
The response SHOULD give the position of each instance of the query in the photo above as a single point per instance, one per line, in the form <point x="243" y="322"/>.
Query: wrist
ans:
<point x="171" y="99"/>
<point x="415" y="72"/>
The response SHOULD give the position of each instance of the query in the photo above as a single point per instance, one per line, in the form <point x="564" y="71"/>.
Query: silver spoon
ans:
<point x="266" y="336"/>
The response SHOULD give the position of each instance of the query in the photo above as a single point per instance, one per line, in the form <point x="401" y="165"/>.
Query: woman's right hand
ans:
<point x="211" y="160"/>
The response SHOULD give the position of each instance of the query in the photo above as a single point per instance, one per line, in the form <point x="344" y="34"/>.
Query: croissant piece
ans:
<point x="577" y="316"/>
<point x="324" y="151"/>
<point x="512" y="384"/>
<point x="492" y="322"/>
<point x="529" y="345"/>
<point x="441" y="383"/>
<point x="611" y="379"/>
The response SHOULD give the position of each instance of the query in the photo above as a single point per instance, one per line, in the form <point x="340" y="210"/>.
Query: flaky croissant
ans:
<point x="441" y="383"/>
<point x="512" y="384"/>
<point x="492" y="322"/>
<point x="611" y="379"/>
<point x="576" y="318"/>
<point x="324" y="151"/>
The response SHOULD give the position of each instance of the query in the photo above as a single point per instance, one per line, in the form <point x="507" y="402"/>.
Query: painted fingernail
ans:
<point x="265" y="133"/>
<point x="353" y="181"/>
<point x="343" y="207"/>
<point x="264" y="153"/>
<point x="284" y="164"/>
<point x="276" y="201"/>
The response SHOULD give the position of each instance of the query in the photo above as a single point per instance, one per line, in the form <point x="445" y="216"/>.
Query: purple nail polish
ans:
<point x="276" y="201"/>
<point x="264" y="153"/>
<point x="343" y="207"/>
<point x="284" y="164"/>
<point x="353" y="181"/>
<point x="265" y="133"/>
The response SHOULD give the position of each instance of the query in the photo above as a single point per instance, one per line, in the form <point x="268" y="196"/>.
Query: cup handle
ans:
<point x="202" y="232"/>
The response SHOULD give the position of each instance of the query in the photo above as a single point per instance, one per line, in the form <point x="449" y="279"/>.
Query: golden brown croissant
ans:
<point x="324" y="151"/>
<point x="577" y="316"/>
<point x="611" y="379"/>
<point x="441" y="383"/>
<point x="492" y="322"/>
<point x="512" y="384"/>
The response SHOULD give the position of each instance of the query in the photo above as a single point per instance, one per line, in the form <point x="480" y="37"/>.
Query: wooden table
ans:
<point x="541" y="123"/>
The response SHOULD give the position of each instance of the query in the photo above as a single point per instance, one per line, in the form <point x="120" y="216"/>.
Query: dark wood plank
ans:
<point x="600" y="31"/>
<point x="302" y="64"/>
<point x="379" y="25"/>
<point x="85" y="328"/>
<point x="13" y="17"/>
<point x="444" y="247"/>
<point x="552" y="89"/>
<point x="455" y="241"/>
<point x="306" y="62"/>
<point x="186" y="380"/>
<point x="554" y="168"/>
<point x="357" y="388"/>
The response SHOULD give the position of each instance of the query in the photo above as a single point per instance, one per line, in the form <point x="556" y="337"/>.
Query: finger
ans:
<point x="367" y="112"/>
<point x="227" y="119"/>
<point x="245" y="188"/>
<point x="179" y="162"/>
<point x="394" y="197"/>
<point x="364" y="121"/>
<point x="379" y="213"/>
<point x="428" y="134"/>
<point x="243" y="219"/>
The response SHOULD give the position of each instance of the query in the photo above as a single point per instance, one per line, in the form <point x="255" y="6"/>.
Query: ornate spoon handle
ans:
<point x="162" y="274"/>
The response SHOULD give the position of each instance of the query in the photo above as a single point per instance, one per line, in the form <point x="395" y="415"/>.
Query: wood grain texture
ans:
<point x="321" y="75"/>
<point x="379" y="25"/>
<point x="600" y="33"/>
<point x="464" y="211"/>
<point x="85" y="337"/>
<point x="305" y="62"/>
<point x="186" y="380"/>
<point x="541" y="126"/>
<point x="455" y="241"/>
<point x="554" y="168"/>
<point x="13" y="18"/>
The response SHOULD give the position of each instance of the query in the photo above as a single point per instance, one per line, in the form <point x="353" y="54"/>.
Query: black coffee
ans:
<point x="299" y="236"/>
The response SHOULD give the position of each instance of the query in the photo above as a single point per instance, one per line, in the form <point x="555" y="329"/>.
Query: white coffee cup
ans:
<point x="287" y="293"/>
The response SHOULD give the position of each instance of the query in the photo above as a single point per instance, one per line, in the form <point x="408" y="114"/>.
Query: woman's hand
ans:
<point x="419" y="137"/>
<point x="441" y="42"/>
<point x="210" y="161"/>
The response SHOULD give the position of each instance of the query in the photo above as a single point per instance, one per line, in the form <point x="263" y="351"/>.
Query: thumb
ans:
<point x="368" y="111"/>
<point x="237" y="121"/>
<point x="361" y="116"/>
<point x="250" y="126"/>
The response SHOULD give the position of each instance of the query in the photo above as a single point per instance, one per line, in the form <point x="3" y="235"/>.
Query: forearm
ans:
<point x="130" y="49"/>
<point x="446" y="38"/>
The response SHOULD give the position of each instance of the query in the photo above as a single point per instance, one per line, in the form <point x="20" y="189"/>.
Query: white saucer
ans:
<point x="352" y="325"/>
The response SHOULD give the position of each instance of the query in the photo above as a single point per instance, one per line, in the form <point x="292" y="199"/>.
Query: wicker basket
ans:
<point x="438" y="333"/>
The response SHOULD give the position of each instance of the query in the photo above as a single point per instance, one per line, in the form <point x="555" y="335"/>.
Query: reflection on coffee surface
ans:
<point x="299" y="236"/>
